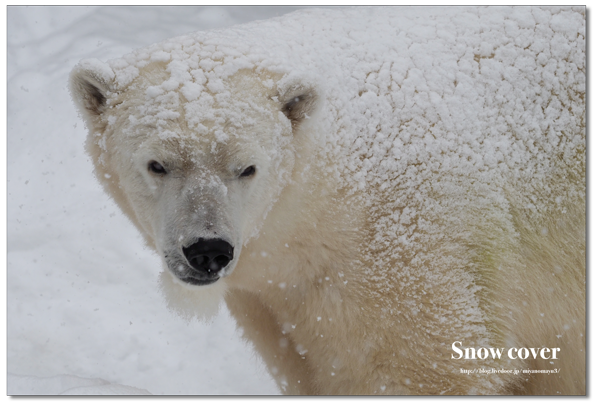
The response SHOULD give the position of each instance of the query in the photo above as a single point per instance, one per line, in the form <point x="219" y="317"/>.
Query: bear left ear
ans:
<point x="90" y="83"/>
<point x="299" y="103"/>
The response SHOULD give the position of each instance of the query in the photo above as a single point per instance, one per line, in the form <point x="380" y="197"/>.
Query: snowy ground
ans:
<point x="82" y="295"/>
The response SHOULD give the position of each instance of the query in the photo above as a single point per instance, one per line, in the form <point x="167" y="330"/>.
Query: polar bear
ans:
<point x="384" y="197"/>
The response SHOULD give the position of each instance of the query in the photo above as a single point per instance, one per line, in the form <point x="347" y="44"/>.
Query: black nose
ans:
<point x="208" y="257"/>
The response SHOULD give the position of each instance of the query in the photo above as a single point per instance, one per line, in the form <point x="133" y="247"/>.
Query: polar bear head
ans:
<point x="195" y="164"/>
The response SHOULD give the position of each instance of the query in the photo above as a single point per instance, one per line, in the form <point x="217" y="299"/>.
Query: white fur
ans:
<point x="411" y="190"/>
<point x="191" y="302"/>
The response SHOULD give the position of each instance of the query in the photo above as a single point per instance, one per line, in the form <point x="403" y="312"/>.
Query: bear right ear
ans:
<point x="299" y="103"/>
<point x="91" y="82"/>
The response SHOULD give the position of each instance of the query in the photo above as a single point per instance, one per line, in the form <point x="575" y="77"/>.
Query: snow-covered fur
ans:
<point x="386" y="182"/>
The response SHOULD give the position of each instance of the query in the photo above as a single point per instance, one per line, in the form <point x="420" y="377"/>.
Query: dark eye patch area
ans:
<point x="248" y="172"/>
<point x="156" y="168"/>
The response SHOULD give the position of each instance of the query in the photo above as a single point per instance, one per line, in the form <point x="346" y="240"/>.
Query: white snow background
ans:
<point x="82" y="294"/>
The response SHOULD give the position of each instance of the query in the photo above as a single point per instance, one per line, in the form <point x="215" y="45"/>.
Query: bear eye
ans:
<point x="248" y="172"/>
<point x="156" y="167"/>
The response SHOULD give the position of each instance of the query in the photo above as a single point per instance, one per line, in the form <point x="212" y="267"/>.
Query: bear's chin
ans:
<point x="192" y="302"/>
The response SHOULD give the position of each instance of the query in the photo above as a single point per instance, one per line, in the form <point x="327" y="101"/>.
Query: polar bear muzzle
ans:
<point x="207" y="258"/>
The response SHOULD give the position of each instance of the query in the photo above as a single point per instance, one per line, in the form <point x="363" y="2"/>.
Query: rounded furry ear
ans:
<point x="299" y="103"/>
<point x="91" y="82"/>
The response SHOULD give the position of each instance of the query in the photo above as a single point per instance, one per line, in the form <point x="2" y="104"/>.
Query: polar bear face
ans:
<point x="198" y="177"/>
<point x="201" y="202"/>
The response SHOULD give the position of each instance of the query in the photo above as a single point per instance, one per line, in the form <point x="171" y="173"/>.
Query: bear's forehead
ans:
<point x="183" y="143"/>
<point x="241" y="105"/>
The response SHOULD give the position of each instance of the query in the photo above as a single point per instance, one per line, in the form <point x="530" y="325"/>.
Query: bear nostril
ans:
<point x="221" y="261"/>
